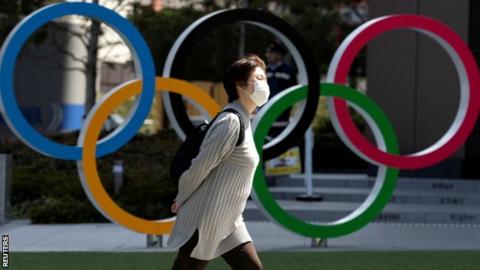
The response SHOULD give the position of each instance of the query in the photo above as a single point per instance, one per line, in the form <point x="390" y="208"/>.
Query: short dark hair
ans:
<point x="239" y="72"/>
<point x="276" y="46"/>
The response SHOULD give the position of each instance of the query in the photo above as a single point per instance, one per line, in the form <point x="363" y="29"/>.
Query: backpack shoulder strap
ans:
<point x="242" y="125"/>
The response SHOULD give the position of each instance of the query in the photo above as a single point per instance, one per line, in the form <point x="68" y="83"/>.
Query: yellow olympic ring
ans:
<point x="88" y="165"/>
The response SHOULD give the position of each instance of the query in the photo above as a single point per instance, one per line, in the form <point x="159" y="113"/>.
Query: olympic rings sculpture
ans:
<point x="385" y="154"/>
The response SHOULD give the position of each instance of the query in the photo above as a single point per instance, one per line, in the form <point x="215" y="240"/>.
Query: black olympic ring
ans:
<point x="301" y="53"/>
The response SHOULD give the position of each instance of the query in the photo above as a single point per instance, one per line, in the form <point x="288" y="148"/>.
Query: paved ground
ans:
<point x="266" y="235"/>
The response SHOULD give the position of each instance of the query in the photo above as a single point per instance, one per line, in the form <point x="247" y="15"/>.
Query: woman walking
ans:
<point x="213" y="192"/>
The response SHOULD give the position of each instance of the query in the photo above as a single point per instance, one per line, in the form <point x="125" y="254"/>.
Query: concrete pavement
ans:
<point x="267" y="236"/>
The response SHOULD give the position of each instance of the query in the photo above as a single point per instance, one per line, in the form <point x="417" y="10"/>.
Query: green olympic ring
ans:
<point x="382" y="189"/>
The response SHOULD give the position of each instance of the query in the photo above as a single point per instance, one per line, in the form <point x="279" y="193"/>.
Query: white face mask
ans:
<point x="261" y="92"/>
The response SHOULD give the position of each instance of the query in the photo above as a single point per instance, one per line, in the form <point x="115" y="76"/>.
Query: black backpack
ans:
<point x="189" y="149"/>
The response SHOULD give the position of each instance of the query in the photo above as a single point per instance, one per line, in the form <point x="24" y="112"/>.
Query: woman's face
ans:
<point x="257" y="74"/>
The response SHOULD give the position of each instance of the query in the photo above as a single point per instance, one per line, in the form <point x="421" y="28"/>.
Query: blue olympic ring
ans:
<point x="143" y="61"/>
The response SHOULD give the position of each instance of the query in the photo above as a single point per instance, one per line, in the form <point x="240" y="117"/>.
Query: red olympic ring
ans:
<point x="466" y="67"/>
